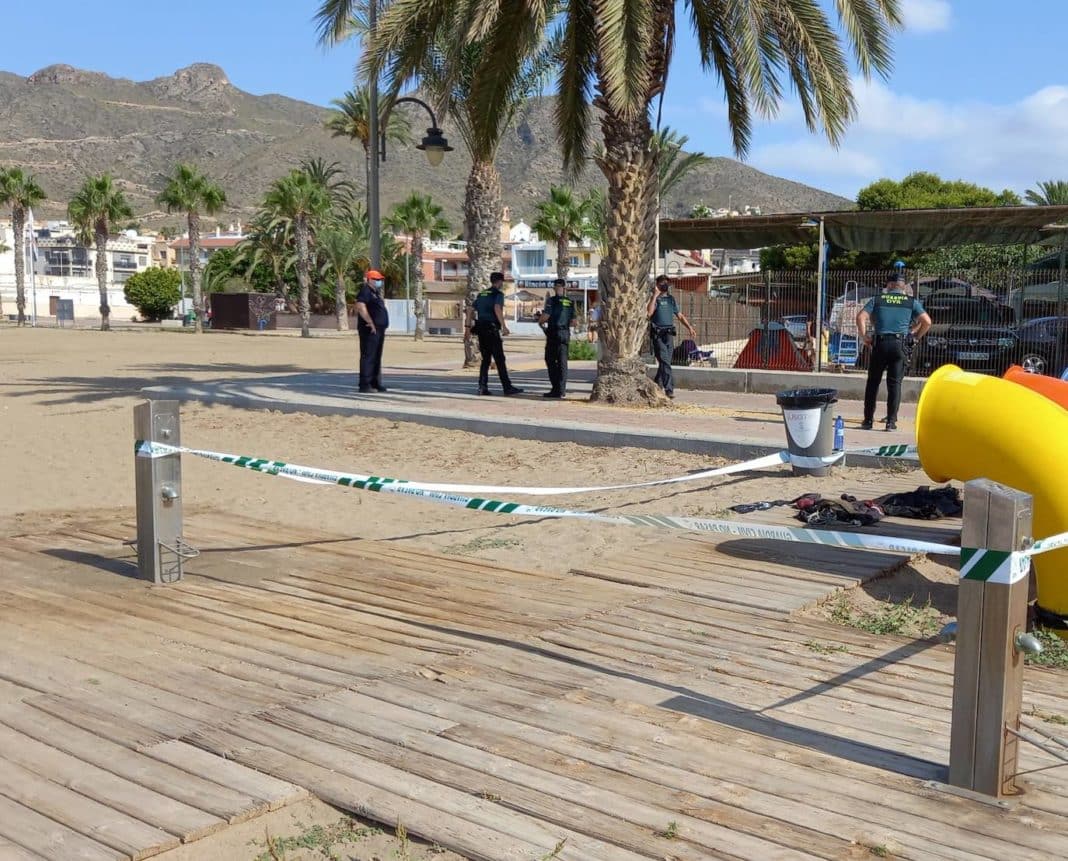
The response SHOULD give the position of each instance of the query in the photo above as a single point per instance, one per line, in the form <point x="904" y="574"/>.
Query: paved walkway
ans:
<point x="728" y="424"/>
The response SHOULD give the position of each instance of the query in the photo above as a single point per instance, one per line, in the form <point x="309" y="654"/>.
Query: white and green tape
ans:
<point x="381" y="484"/>
<point x="993" y="566"/>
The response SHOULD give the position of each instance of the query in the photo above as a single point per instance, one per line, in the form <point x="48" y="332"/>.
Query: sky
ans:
<point x="979" y="89"/>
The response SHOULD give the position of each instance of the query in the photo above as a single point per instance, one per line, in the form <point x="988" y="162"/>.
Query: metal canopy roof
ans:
<point x="876" y="230"/>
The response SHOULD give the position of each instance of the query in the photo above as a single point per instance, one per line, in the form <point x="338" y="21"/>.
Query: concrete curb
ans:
<point x="849" y="386"/>
<point x="580" y="433"/>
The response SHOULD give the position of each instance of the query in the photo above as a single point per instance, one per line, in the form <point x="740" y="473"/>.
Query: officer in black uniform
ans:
<point x="895" y="316"/>
<point x="558" y="318"/>
<point x="662" y="311"/>
<point x="485" y="319"/>
<point x="372" y="320"/>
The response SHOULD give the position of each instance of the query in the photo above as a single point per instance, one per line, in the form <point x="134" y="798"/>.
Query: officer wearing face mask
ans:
<point x="372" y="320"/>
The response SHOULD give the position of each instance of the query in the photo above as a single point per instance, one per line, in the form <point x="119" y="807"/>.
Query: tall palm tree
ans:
<point x="420" y="219"/>
<point x="268" y="244"/>
<point x="615" y="58"/>
<point x="21" y="191"/>
<point x="189" y="191"/>
<point x="564" y="219"/>
<point x="448" y="80"/>
<point x="351" y="120"/>
<point x="339" y="248"/>
<point x="1052" y="192"/>
<point x="674" y="162"/>
<point x="300" y="200"/>
<point x="95" y="207"/>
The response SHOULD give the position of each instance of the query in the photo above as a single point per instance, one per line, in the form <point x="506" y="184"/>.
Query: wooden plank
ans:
<point x="165" y="779"/>
<point x="580" y="806"/>
<point x="13" y="852"/>
<point x="130" y="798"/>
<point x="277" y="793"/>
<point x="626" y="745"/>
<point x="98" y="822"/>
<point x="25" y="827"/>
<point x="119" y="728"/>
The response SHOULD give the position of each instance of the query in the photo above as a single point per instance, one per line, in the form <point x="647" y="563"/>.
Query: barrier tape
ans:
<point x="993" y="566"/>
<point x="690" y="524"/>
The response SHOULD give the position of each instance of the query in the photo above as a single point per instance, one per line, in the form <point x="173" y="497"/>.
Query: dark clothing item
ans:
<point x="556" y="348"/>
<point x="561" y="311"/>
<point x="665" y="311"/>
<point x="485" y="302"/>
<point x="492" y="348"/>
<point x="923" y="503"/>
<point x="376" y="307"/>
<point x="815" y="510"/>
<point x="662" y="341"/>
<point x="371" y="344"/>
<point x="887" y="354"/>
<point x="892" y="313"/>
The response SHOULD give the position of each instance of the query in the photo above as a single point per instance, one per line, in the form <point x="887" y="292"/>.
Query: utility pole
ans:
<point x="373" y="215"/>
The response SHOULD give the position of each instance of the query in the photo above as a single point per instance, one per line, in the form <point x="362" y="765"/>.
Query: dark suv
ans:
<point x="973" y="332"/>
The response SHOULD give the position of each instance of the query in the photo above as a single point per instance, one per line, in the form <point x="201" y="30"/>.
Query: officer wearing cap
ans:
<point x="372" y="320"/>
<point x="895" y="317"/>
<point x="485" y="320"/>
<point x="662" y="311"/>
<point x="557" y="319"/>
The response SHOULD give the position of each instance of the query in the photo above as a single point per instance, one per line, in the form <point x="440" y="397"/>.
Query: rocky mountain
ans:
<point x="63" y="123"/>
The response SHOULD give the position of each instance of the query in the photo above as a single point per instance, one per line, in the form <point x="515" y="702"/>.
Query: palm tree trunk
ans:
<point x="194" y="270"/>
<point x="18" y="224"/>
<point x="417" y="262"/>
<point x="102" y="275"/>
<point x="630" y="166"/>
<point x="482" y="220"/>
<point x="563" y="257"/>
<point x="303" y="276"/>
<point x="341" y="304"/>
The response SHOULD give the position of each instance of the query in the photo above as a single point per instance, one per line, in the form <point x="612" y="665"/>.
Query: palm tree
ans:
<point x="268" y="244"/>
<point x="615" y="59"/>
<point x="420" y="219"/>
<point x="332" y="178"/>
<point x="564" y="219"/>
<point x="189" y="191"/>
<point x="339" y="248"/>
<point x="701" y="210"/>
<point x="299" y="199"/>
<point x="674" y="162"/>
<point x="449" y="88"/>
<point x="21" y="191"/>
<point x="1053" y="192"/>
<point x="351" y="120"/>
<point x="97" y="205"/>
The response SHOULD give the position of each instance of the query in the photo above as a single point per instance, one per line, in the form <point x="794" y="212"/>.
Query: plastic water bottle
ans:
<point x="839" y="434"/>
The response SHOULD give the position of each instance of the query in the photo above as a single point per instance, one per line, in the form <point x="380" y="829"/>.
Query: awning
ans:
<point x="878" y="230"/>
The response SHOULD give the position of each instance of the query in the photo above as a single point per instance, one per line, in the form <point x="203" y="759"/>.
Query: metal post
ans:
<point x="373" y="216"/>
<point x="821" y="287"/>
<point x="1058" y="350"/>
<point x="988" y="666"/>
<point x="407" y="292"/>
<point x="160" y="547"/>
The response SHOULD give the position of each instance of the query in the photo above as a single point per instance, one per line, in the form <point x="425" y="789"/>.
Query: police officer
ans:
<point x="485" y="319"/>
<point x="372" y="320"/>
<point x="662" y="311"/>
<point x="558" y="318"/>
<point x="895" y="316"/>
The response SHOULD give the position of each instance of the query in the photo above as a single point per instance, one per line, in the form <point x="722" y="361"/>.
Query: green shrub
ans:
<point x="579" y="351"/>
<point x="154" y="292"/>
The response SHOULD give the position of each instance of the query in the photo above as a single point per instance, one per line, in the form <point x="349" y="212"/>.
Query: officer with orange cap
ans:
<point x="372" y="320"/>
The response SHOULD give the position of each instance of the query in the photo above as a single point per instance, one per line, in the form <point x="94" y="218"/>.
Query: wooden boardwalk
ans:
<point x="665" y="705"/>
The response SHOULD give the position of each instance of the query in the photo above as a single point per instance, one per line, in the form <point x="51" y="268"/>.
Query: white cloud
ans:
<point x="1006" y="145"/>
<point x="926" y="16"/>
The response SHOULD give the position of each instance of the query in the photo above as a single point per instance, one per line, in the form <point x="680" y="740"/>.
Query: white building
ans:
<point x="65" y="269"/>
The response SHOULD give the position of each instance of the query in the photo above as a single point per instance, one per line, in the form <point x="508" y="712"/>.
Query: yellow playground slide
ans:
<point x="973" y="426"/>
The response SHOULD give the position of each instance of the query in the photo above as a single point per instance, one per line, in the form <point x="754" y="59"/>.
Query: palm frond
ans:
<point x="575" y="84"/>
<point x="625" y="34"/>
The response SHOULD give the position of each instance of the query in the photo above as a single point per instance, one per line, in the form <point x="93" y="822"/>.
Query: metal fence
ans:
<point x="984" y="320"/>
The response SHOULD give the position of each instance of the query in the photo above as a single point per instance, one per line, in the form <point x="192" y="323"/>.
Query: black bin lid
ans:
<point x="801" y="399"/>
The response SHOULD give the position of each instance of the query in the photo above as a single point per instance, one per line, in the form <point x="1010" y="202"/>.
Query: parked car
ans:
<point x="974" y="332"/>
<point x="1043" y="346"/>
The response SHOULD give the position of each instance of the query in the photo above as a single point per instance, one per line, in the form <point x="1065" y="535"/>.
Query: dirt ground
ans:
<point x="66" y="434"/>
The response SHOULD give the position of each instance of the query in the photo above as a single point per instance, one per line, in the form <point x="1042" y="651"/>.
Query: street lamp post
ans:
<point x="434" y="144"/>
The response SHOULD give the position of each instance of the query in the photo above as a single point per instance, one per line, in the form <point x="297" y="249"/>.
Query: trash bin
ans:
<point x="809" y="420"/>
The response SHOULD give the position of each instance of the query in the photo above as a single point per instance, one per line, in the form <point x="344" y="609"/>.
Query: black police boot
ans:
<point x="891" y="425"/>
<point x="484" y="390"/>
<point x="867" y="424"/>
<point x="553" y="393"/>
<point x="512" y="390"/>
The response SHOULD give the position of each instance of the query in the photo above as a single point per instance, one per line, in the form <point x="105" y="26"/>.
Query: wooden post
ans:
<point x="159" y="493"/>
<point x="988" y="670"/>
